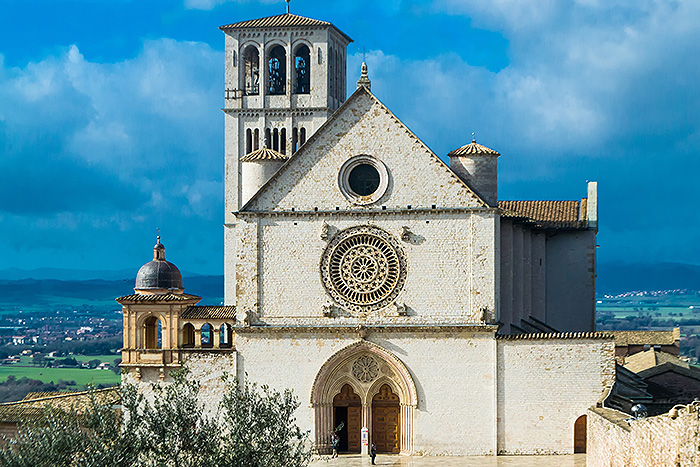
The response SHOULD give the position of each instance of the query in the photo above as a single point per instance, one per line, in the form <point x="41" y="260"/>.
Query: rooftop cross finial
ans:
<point x="364" y="78"/>
<point x="158" y="236"/>
<point x="287" y="5"/>
<point x="473" y="137"/>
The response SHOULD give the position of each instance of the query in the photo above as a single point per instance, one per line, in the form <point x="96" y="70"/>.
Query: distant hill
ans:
<point x="14" y="274"/>
<point x="46" y="289"/>
<point x="617" y="278"/>
<point x="32" y="295"/>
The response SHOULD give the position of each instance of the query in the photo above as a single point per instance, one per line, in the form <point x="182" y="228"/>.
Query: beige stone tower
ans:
<point x="284" y="76"/>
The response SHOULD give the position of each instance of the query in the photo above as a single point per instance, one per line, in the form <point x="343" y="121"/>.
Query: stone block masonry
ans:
<point x="616" y="441"/>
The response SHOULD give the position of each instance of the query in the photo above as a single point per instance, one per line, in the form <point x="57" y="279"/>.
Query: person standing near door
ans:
<point x="373" y="452"/>
<point x="335" y="441"/>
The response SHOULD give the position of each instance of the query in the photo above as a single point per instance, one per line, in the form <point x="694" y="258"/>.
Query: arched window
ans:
<point x="295" y="140"/>
<point x="277" y="71"/>
<point x="153" y="335"/>
<point x="226" y="336"/>
<point x="256" y="140"/>
<point x="302" y="136"/>
<point x="276" y="140"/>
<point x="188" y="335"/>
<point x="302" y="64"/>
<point x="283" y="141"/>
<point x="248" y="141"/>
<point x="207" y="337"/>
<point x="251" y="71"/>
<point x="268" y="138"/>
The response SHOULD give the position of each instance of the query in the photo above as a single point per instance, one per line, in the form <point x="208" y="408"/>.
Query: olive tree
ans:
<point x="253" y="426"/>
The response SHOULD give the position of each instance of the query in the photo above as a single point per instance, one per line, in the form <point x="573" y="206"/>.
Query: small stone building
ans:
<point x="395" y="294"/>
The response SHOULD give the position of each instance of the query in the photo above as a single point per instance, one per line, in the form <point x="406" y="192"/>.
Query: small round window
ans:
<point x="363" y="179"/>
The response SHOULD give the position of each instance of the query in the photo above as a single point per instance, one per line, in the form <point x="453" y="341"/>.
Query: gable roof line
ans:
<point x="430" y="151"/>
<point x="332" y="119"/>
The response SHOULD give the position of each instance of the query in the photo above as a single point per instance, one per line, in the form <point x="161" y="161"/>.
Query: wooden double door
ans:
<point x="386" y="420"/>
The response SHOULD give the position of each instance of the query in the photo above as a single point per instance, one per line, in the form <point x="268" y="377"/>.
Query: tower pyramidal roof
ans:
<point x="281" y="21"/>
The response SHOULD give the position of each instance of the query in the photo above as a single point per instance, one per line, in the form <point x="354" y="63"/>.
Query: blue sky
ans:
<point x="110" y="121"/>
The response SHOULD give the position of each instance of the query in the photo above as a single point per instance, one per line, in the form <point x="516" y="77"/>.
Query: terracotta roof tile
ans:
<point x="281" y="21"/>
<point x="209" y="312"/>
<point x="473" y="148"/>
<point x="168" y="297"/>
<point x="556" y="336"/>
<point x="651" y="358"/>
<point x="548" y="214"/>
<point x="264" y="154"/>
<point x="646" y="337"/>
<point x="34" y="406"/>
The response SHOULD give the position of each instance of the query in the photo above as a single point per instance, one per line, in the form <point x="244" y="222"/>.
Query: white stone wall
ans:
<point x="655" y="441"/>
<point x="544" y="385"/>
<point x="453" y="373"/>
<point x="417" y="178"/>
<point x="205" y="367"/>
<point x="451" y="263"/>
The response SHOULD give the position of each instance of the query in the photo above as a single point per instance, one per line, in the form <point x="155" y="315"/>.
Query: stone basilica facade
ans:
<point x="396" y="295"/>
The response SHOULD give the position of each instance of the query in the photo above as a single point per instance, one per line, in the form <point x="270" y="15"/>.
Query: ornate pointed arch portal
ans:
<point x="365" y="385"/>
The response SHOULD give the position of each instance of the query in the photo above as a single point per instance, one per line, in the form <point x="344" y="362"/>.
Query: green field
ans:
<point x="46" y="375"/>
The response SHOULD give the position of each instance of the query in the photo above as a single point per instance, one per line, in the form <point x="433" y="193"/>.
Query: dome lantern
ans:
<point x="158" y="276"/>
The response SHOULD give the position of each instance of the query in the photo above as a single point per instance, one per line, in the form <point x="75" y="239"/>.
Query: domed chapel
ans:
<point x="396" y="295"/>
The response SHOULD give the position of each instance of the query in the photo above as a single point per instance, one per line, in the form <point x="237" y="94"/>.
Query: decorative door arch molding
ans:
<point x="364" y="366"/>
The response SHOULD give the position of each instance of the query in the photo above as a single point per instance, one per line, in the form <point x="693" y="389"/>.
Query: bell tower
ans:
<point x="285" y="75"/>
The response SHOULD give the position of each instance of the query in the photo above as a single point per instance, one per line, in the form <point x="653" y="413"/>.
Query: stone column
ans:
<point x="324" y="426"/>
<point x="367" y="422"/>
<point x="216" y="337"/>
<point x="406" y="427"/>
<point x="198" y="338"/>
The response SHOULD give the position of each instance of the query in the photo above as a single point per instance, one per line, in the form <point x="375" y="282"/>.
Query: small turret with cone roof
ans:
<point x="477" y="165"/>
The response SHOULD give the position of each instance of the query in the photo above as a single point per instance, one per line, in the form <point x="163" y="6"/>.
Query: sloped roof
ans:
<point x="689" y="371"/>
<point x="651" y="358"/>
<point x="33" y="405"/>
<point x="565" y="214"/>
<point x="555" y="336"/>
<point x="168" y="297"/>
<point x="209" y="312"/>
<point x="264" y="154"/>
<point x="281" y="21"/>
<point x="647" y="337"/>
<point x="355" y="95"/>
<point x="473" y="148"/>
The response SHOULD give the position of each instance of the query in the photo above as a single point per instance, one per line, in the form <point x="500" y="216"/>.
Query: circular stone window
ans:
<point x="363" y="179"/>
<point x="363" y="269"/>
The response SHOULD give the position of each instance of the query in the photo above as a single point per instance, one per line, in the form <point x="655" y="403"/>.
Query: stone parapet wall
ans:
<point x="616" y="441"/>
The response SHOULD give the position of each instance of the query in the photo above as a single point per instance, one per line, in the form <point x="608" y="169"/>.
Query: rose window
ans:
<point x="365" y="369"/>
<point x="363" y="268"/>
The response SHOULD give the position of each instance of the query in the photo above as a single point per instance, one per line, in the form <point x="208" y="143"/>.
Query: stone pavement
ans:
<point x="356" y="460"/>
